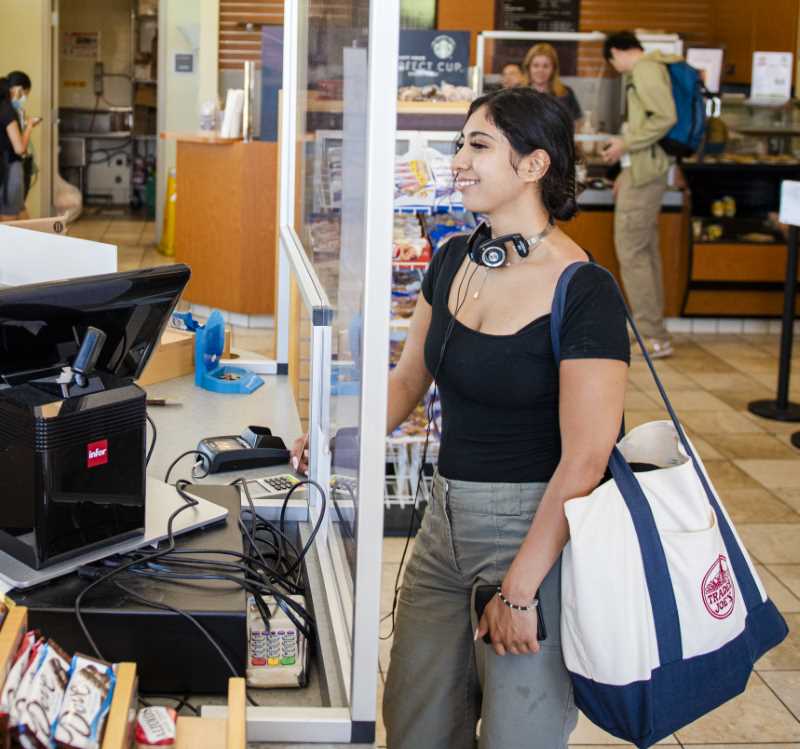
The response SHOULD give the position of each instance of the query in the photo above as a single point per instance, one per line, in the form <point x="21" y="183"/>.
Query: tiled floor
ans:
<point x="134" y="237"/>
<point x="751" y="462"/>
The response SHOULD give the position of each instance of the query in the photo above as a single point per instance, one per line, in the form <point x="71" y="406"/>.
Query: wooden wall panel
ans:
<point x="691" y="18"/>
<point x="236" y="43"/>
<point x="594" y="231"/>
<point x="744" y="26"/>
<point x="465" y="15"/>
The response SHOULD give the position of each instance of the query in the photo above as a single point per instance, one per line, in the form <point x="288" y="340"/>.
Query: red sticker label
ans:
<point x="97" y="453"/>
<point x="719" y="592"/>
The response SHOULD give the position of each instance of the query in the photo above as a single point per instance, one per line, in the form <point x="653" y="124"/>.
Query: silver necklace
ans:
<point x="477" y="294"/>
<point x="533" y="243"/>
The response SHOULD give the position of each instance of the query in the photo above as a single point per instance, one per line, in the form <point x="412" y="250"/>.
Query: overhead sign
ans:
<point x="433" y="57"/>
<point x="537" y="15"/>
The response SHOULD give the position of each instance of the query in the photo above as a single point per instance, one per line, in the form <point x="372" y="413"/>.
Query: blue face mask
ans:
<point x="19" y="104"/>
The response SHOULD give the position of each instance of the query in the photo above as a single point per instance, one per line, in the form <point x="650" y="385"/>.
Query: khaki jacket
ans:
<point x="651" y="115"/>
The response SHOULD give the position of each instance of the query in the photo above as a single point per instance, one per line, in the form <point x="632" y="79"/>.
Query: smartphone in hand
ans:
<point x="485" y="593"/>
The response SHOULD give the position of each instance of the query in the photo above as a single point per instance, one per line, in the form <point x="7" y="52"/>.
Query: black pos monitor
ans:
<point x="72" y="421"/>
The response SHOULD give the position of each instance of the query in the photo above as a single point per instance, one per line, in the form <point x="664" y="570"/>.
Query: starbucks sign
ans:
<point x="433" y="57"/>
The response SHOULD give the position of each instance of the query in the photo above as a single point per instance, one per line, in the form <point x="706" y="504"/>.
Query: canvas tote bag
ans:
<point x="663" y="614"/>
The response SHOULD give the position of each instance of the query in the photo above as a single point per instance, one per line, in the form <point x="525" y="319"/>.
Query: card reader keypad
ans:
<point x="278" y="484"/>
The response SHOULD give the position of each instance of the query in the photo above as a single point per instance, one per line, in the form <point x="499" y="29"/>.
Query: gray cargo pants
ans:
<point x="440" y="681"/>
<point x="636" y="213"/>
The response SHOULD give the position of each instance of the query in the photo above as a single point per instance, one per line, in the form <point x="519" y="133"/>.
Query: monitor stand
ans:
<point x="161" y="500"/>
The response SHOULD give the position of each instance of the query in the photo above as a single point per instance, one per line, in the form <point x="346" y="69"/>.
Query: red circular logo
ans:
<point x="718" y="590"/>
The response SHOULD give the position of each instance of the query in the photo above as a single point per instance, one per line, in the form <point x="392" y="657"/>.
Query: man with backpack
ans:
<point x="639" y="188"/>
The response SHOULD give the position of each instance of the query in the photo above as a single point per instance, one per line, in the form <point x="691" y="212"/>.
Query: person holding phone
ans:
<point x="20" y="86"/>
<point x="520" y="436"/>
<point x="14" y="143"/>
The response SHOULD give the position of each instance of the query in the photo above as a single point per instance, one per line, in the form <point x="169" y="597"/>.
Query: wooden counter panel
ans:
<point x="739" y="262"/>
<point x="594" y="231"/>
<point x="735" y="303"/>
<point x="226" y="224"/>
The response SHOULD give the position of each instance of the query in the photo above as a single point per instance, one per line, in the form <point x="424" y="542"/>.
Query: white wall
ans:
<point x="182" y="24"/>
<point x="25" y="45"/>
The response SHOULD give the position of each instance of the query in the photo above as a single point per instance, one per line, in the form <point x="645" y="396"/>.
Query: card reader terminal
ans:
<point x="255" y="447"/>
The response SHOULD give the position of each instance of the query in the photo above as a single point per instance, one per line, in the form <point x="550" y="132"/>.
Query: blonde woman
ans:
<point x="541" y="65"/>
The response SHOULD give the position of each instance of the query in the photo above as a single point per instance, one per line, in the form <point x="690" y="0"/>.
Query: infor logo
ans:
<point x="97" y="453"/>
<point x="719" y="592"/>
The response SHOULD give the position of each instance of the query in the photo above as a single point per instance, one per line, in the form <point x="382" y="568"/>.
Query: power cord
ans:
<point x="252" y="571"/>
<point x="189" y="502"/>
<point x="153" y="443"/>
<point x="203" y="460"/>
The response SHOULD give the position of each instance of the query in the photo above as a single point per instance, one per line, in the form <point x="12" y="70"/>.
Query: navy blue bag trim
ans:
<point x="645" y="712"/>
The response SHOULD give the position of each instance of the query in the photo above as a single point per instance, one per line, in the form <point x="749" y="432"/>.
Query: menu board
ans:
<point x="537" y="15"/>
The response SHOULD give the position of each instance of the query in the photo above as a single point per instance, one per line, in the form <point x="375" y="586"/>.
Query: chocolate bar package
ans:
<point x="19" y="699"/>
<point x="43" y="697"/>
<point x="22" y="661"/>
<point x="87" y="700"/>
<point x="155" y="726"/>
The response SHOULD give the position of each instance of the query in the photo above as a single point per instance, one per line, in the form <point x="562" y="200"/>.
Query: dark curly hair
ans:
<point x="531" y="120"/>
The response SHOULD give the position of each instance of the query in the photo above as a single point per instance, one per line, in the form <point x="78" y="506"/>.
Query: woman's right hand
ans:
<point x="33" y="122"/>
<point x="299" y="459"/>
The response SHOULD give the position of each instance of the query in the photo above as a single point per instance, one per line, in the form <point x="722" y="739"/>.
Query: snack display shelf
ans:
<point x="194" y="733"/>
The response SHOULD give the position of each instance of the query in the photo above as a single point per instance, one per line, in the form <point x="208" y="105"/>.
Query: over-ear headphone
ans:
<point x="490" y="252"/>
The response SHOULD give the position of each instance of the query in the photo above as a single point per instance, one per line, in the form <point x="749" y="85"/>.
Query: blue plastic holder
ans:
<point x="209" y="343"/>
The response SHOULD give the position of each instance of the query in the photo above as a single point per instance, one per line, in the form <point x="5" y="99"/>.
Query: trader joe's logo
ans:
<point x="719" y="593"/>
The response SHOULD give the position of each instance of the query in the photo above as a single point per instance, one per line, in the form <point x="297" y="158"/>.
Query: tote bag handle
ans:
<point x="662" y="597"/>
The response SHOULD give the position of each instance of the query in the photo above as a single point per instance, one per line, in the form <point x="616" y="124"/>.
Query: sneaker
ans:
<point x="657" y="349"/>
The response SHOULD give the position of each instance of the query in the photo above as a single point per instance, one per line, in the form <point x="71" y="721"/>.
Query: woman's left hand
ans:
<point x="511" y="631"/>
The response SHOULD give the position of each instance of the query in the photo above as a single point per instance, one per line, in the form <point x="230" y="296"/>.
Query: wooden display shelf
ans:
<point x="335" y="106"/>
<point x="193" y="733"/>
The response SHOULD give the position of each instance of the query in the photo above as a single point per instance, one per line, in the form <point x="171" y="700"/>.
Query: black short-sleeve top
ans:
<point x="570" y="102"/>
<point x="499" y="393"/>
<point x="7" y="116"/>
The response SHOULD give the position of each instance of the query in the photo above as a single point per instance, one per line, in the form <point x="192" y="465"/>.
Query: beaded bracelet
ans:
<point x="530" y="607"/>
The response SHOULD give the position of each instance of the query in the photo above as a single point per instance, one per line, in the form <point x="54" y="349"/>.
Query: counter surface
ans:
<point x="201" y="136"/>
<point x="205" y="414"/>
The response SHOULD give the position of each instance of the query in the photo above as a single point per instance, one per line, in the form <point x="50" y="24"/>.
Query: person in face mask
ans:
<point x="20" y="88"/>
<point x="14" y="143"/>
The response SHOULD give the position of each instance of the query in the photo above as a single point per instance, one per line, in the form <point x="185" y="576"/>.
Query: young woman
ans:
<point x="20" y="85"/>
<point x="520" y="437"/>
<point x="13" y="146"/>
<point x="541" y="65"/>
